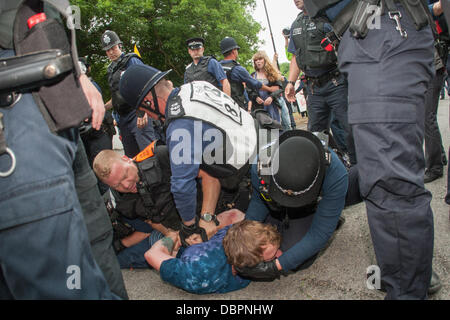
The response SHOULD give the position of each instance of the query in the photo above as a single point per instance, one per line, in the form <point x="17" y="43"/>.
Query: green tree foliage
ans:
<point x="160" y="28"/>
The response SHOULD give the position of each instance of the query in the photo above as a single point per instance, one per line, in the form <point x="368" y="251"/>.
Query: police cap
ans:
<point x="195" y="43"/>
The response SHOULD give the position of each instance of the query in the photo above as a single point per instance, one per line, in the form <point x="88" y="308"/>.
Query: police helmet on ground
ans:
<point x="227" y="44"/>
<point x="300" y="164"/>
<point x="137" y="81"/>
<point x="195" y="43"/>
<point x="109" y="39"/>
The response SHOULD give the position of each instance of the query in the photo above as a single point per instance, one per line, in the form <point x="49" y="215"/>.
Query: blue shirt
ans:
<point x="240" y="74"/>
<point x="215" y="68"/>
<point x="203" y="268"/>
<point x="326" y="217"/>
<point x="189" y="148"/>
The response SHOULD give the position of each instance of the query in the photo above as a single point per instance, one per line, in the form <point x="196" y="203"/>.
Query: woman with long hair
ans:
<point x="267" y="74"/>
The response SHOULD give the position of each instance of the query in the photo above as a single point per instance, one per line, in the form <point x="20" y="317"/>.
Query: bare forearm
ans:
<point x="160" y="252"/>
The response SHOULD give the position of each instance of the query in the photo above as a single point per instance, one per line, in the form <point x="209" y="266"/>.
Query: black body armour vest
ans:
<point x="237" y="88"/>
<point x="154" y="188"/>
<point x="115" y="70"/>
<point x="307" y="35"/>
<point x="200" y="72"/>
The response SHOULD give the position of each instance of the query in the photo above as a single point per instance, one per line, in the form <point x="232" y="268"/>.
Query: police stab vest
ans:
<point x="200" y="72"/>
<point x="115" y="70"/>
<point x="237" y="88"/>
<point x="200" y="100"/>
<point x="307" y="35"/>
<point x="154" y="187"/>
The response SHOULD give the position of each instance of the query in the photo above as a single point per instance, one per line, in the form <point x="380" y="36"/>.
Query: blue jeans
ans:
<point x="285" y="119"/>
<point x="133" y="257"/>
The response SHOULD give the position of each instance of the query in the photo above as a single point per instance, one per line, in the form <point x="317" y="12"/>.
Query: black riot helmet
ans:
<point x="109" y="39"/>
<point x="293" y="177"/>
<point x="227" y="44"/>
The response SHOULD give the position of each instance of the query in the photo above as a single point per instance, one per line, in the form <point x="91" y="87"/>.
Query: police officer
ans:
<point x="326" y="86"/>
<point x="386" y="114"/>
<point x="205" y="68"/>
<point x="236" y="74"/>
<point x="205" y="130"/>
<point x="134" y="138"/>
<point x="287" y="195"/>
<point x="45" y="250"/>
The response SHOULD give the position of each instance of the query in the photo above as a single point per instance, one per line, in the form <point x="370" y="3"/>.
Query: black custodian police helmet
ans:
<point x="227" y="44"/>
<point x="137" y="81"/>
<point x="109" y="39"/>
<point x="297" y="169"/>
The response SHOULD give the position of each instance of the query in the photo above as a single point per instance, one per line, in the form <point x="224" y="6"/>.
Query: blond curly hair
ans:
<point x="270" y="71"/>
<point x="244" y="241"/>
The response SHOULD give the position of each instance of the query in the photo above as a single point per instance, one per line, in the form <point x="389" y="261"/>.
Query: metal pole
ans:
<point x="271" y="35"/>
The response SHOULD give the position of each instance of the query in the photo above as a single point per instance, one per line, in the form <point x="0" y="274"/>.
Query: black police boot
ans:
<point x="430" y="176"/>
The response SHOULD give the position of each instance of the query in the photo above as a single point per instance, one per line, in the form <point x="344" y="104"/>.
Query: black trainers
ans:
<point x="430" y="176"/>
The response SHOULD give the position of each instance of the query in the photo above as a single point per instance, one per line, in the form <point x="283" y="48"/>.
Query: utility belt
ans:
<point x="324" y="79"/>
<point x="358" y="15"/>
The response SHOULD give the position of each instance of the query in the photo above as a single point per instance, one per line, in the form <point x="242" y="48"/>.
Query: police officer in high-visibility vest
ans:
<point x="134" y="138"/>
<point x="389" y="65"/>
<point x="206" y="130"/>
<point x="327" y="87"/>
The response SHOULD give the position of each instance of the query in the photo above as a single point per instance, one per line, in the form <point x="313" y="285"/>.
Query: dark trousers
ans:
<point x="388" y="76"/>
<point x="434" y="150"/>
<point x="322" y="101"/>
<point x="45" y="251"/>
<point x="97" y="222"/>
<point x="94" y="142"/>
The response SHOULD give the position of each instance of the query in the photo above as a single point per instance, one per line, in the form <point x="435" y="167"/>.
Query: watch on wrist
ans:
<point x="208" y="217"/>
<point x="292" y="82"/>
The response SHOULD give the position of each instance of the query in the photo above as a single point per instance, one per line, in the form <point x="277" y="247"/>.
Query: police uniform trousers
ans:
<point x="45" y="251"/>
<point x="97" y="221"/>
<point x="434" y="150"/>
<point x="388" y="76"/>
<point x="325" y="99"/>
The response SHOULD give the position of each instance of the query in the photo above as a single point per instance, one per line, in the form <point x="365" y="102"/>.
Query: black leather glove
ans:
<point x="187" y="231"/>
<point x="263" y="271"/>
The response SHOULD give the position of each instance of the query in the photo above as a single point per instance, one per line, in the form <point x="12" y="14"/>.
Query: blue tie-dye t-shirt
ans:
<point x="203" y="268"/>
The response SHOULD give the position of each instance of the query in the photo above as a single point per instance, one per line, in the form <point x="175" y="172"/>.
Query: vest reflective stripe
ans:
<point x="200" y="72"/>
<point x="202" y="101"/>
<point x="237" y="88"/>
<point x="115" y="70"/>
<point x="307" y="35"/>
<point x="148" y="152"/>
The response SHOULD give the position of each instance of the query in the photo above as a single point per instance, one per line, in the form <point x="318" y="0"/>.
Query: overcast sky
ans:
<point x="281" y="15"/>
